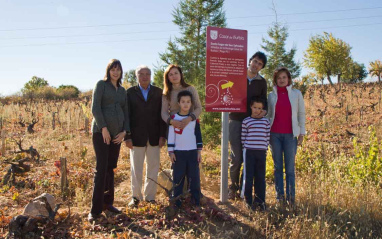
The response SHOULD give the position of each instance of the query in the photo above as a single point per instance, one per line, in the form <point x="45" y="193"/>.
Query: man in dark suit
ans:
<point x="148" y="132"/>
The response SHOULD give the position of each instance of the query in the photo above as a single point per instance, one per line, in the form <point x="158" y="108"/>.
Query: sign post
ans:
<point x="226" y="86"/>
<point x="224" y="159"/>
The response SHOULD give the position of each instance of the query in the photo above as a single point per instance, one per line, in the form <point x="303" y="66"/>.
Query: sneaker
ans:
<point x="133" y="203"/>
<point x="92" y="217"/>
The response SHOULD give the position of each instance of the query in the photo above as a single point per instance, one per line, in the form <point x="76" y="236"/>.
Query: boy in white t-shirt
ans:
<point x="184" y="147"/>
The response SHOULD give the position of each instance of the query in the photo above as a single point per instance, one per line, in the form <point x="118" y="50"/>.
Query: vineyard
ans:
<point x="338" y="176"/>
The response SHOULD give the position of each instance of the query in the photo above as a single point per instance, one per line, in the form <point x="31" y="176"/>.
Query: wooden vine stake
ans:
<point x="69" y="116"/>
<point x="53" y="121"/>
<point x="86" y="126"/>
<point x="3" y="133"/>
<point x="81" y="145"/>
<point x="347" y="112"/>
<point x="64" y="178"/>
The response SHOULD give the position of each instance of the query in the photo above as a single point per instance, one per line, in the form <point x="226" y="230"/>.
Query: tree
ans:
<point x="158" y="77"/>
<point x="312" y="78"/>
<point x="328" y="56"/>
<point x="276" y="53"/>
<point x="130" y="79"/>
<point x="375" y="69"/>
<point x="355" y="72"/>
<point x="189" y="51"/>
<point x="34" y="83"/>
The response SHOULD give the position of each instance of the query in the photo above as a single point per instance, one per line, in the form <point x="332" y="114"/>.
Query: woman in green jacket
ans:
<point x="109" y="127"/>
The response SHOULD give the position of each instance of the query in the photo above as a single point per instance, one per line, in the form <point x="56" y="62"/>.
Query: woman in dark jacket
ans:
<point x="109" y="127"/>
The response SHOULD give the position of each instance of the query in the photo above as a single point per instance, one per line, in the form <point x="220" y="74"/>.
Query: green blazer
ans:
<point x="110" y="109"/>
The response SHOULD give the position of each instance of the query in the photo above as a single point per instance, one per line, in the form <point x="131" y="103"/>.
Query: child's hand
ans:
<point x="172" y="157"/>
<point x="199" y="156"/>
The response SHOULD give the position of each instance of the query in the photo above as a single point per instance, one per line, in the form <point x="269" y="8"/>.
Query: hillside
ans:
<point x="339" y="176"/>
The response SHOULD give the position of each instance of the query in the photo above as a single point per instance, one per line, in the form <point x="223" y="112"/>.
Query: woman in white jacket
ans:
<point x="286" y="112"/>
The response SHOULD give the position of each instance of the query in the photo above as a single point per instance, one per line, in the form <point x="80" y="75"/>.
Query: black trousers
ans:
<point x="186" y="165"/>
<point x="107" y="158"/>
<point x="236" y="156"/>
<point x="255" y="172"/>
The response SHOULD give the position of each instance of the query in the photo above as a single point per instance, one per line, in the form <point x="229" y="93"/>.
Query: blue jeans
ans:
<point x="186" y="165"/>
<point x="284" y="148"/>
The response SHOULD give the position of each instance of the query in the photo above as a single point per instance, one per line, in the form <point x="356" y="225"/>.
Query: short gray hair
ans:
<point x="141" y="67"/>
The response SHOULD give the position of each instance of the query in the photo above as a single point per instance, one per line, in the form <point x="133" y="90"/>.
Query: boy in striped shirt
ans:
<point x="255" y="134"/>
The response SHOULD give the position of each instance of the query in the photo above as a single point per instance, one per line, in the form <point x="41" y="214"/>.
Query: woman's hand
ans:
<point x="261" y="114"/>
<point x="181" y="124"/>
<point x="119" y="138"/>
<point x="300" y="139"/>
<point x="106" y="135"/>
<point x="129" y="143"/>
<point x="186" y="121"/>
<point x="199" y="156"/>
<point x="177" y="124"/>
<point x="172" y="157"/>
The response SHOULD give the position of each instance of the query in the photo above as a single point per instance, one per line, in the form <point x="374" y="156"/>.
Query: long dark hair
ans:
<point x="167" y="85"/>
<point x="112" y="64"/>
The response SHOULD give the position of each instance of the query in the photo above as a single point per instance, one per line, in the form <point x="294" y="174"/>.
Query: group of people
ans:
<point x="277" y="120"/>
<point x="145" y="116"/>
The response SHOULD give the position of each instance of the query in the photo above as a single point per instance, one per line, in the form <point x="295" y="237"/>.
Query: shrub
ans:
<point x="44" y="92"/>
<point x="67" y="92"/>
<point x="366" y="166"/>
<point x="211" y="128"/>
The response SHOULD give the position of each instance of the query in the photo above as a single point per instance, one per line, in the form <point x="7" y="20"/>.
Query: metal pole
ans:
<point x="224" y="159"/>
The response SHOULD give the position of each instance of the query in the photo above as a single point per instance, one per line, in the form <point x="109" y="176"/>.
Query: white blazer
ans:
<point x="298" y="109"/>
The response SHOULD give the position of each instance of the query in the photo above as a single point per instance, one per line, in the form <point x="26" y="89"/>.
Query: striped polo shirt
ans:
<point x="255" y="133"/>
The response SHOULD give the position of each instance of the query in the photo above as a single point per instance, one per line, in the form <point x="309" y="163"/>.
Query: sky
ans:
<point x="69" y="42"/>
